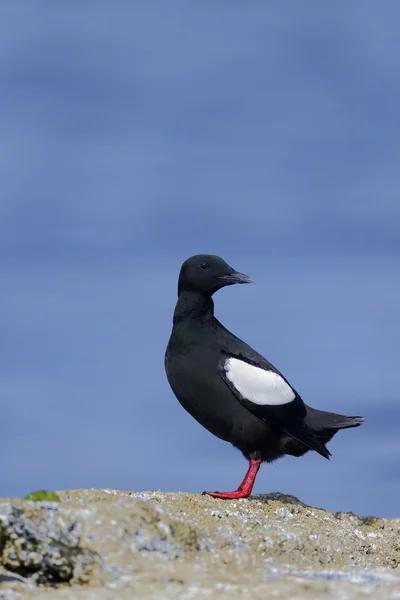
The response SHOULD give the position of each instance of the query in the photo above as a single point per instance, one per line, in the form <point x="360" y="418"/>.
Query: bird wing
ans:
<point x="265" y="392"/>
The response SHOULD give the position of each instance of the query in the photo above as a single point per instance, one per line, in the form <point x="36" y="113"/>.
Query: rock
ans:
<point x="106" y="544"/>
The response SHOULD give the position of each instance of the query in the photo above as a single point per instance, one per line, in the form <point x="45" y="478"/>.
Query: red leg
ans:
<point x="245" y="488"/>
<point x="241" y="486"/>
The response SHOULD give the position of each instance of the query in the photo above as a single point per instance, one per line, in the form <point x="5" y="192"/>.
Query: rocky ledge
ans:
<point x="108" y="544"/>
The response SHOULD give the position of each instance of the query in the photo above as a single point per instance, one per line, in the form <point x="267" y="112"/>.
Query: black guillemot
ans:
<point x="229" y="388"/>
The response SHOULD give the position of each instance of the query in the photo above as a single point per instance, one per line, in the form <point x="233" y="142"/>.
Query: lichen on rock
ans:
<point x="43" y="541"/>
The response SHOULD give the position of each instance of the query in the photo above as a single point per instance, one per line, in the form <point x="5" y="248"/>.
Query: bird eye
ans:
<point x="203" y="266"/>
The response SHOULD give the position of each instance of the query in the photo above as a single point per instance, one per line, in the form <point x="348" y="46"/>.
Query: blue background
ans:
<point x="134" y="134"/>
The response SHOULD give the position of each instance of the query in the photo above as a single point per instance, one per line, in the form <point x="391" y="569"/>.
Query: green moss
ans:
<point x="43" y="496"/>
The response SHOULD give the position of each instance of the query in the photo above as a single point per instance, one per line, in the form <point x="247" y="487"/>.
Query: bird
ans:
<point x="232" y="390"/>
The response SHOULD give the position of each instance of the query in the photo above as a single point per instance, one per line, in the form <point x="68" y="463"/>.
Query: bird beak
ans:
<point x="236" y="277"/>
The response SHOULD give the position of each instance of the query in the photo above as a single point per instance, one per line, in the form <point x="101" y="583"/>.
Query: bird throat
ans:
<point x="192" y="305"/>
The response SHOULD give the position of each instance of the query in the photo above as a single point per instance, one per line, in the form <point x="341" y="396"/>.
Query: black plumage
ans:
<point x="229" y="388"/>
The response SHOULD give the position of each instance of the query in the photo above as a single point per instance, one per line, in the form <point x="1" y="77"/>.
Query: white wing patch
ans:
<point x="256" y="385"/>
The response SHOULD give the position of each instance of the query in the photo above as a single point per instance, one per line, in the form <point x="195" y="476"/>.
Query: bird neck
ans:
<point x="192" y="305"/>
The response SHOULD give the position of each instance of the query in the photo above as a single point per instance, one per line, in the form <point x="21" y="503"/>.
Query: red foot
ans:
<point x="245" y="488"/>
<point x="228" y="495"/>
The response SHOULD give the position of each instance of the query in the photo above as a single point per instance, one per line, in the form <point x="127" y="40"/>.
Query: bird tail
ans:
<point x="346" y="422"/>
<point x="319" y="427"/>
<point x="320" y="420"/>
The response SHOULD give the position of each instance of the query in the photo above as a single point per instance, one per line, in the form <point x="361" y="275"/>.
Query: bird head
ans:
<point x="206" y="274"/>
